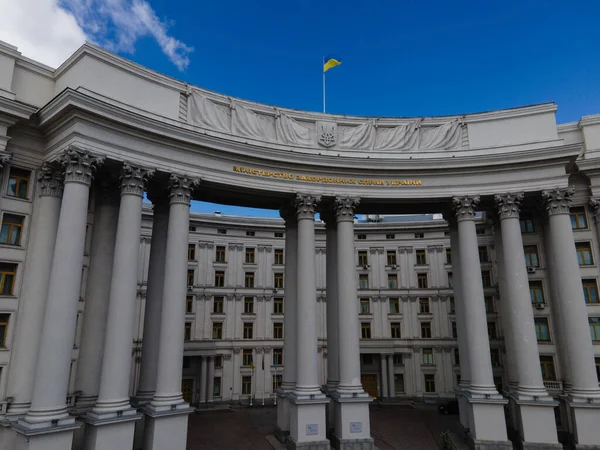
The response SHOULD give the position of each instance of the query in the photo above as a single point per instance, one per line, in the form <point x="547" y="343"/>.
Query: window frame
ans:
<point x="250" y="255"/>
<point x="220" y="254"/>
<point x="278" y="257"/>
<point x="581" y="248"/>
<point x="392" y="279"/>
<point x="364" y="301"/>
<point x="547" y="365"/>
<point x="189" y="304"/>
<point x="363" y="277"/>
<point x="19" y="180"/>
<point x="249" y="280"/>
<point x="577" y="212"/>
<point x="249" y="305"/>
<point x="248" y="330"/>
<point x="365" y="330"/>
<point x="12" y="226"/>
<point x="531" y="252"/>
<point x="429" y="383"/>
<point x="424" y="305"/>
<point x="247" y="357"/>
<point x="391" y="258"/>
<point x="218" y="300"/>
<point x="395" y="330"/>
<point x="217" y="330"/>
<point x="277" y="330"/>
<point x="191" y="252"/>
<point x="536" y="289"/>
<point x="541" y="322"/>
<point x="278" y="280"/>
<point x="278" y="305"/>
<point x="484" y="254"/>
<point x="425" y="330"/>
<point x="4" y="322"/>
<point x="363" y="258"/>
<point x="427" y="358"/>
<point x="394" y="301"/>
<point x="588" y="288"/>
<point x="422" y="280"/>
<point x="420" y="257"/>
<point x="6" y="270"/>
<point x="594" y="324"/>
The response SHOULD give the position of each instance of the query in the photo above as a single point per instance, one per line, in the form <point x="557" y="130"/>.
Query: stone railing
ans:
<point x="553" y="385"/>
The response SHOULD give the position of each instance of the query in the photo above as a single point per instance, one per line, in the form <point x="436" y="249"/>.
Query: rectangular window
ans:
<point x="278" y="305"/>
<point x="365" y="330"/>
<point x="221" y="231"/>
<point x="217" y="386"/>
<point x="361" y="237"/>
<point x="531" y="256"/>
<point x="18" y="183"/>
<point x="594" y="328"/>
<point x="394" y="305"/>
<point x="8" y="272"/>
<point x="191" y="252"/>
<point x="421" y="257"/>
<point x="187" y="332"/>
<point x="278" y="280"/>
<point x="527" y="225"/>
<point x="278" y="330"/>
<point x="425" y="330"/>
<point x="547" y="365"/>
<point x="495" y="357"/>
<point x="191" y="228"/>
<point x="578" y="219"/>
<point x="247" y="385"/>
<point x="486" y="278"/>
<point x="3" y="329"/>
<point x="590" y="290"/>
<point x="489" y="304"/>
<point x="392" y="281"/>
<point x="220" y="254"/>
<point x="189" y="303"/>
<point x="363" y="258"/>
<point x="397" y="359"/>
<point x="452" y="306"/>
<point x="480" y="230"/>
<point x="429" y="382"/>
<point x="399" y="383"/>
<point x="218" y="305"/>
<point x="365" y="305"/>
<point x="536" y="292"/>
<point x="597" y="360"/>
<point x="278" y="234"/>
<point x="424" y="307"/>
<point x="390" y="236"/>
<point x="248" y="305"/>
<point x="422" y="280"/>
<point x="584" y="253"/>
<point x="277" y="356"/>
<point x="217" y="330"/>
<point x="12" y="227"/>
<point x="391" y="258"/>
<point x="448" y="256"/>
<point x="218" y="361"/>
<point x="363" y="281"/>
<point x="250" y="256"/>
<point x="247" y="357"/>
<point x="492" y="333"/>
<point x="190" y="277"/>
<point x="249" y="279"/>
<point x="248" y="329"/>
<point x="278" y="257"/>
<point x="456" y="357"/>
<point x="419" y="235"/>
<point x="277" y="381"/>
<point x="542" y="329"/>
<point x="395" y="330"/>
<point x="454" y="331"/>
<point x="250" y="233"/>
<point x="483" y="255"/>
<point x="450" y="280"/>
<point x="428" y="356"/>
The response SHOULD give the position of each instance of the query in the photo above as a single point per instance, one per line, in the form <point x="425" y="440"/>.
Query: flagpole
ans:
<point x="323" y="68"/>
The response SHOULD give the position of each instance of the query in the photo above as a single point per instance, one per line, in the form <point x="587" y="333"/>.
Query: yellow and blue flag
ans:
<point x="331" y="61"/>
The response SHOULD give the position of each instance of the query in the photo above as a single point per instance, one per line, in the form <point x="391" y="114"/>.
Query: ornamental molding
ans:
<point x="465" y="207"/>
<point x="435" y="248"/>
<point x="227" y="356"/>
<point x="258" y="350"/>
<point x="237" y="350"/>
<point x="181" y="189"/>
<point x="412" y="298"/>
<point x="50" y="178"/>
<point x="509" y="205"/>
<point x="79" y="165"/>
<point x="416" y="349"/>
<point x="134" y="179"/>
<point x="238" y="247"/>
<point x="320" y="298"/>
<point x="320" y="251"/>
<point x="267" y="350"/>
<point x="595" y="206"/>
<point x="230" y="297"/>
<point x="344" y="208"/>
<point x="305" y="205"/>
<point x="558" y="200"/>
<point x="265" y="248"/>
<point x="447" y="349"/>
<point x="405" y="250"/>
<point x="145" y="240"/>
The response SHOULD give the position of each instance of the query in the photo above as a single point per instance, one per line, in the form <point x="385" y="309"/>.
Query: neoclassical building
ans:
<point x="473" y="276"/>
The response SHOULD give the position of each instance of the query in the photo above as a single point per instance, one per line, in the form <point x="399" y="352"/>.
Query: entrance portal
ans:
<point x="369" y="383"/>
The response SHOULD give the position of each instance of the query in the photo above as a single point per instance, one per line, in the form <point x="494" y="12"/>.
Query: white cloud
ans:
<point x="51" y="30"/>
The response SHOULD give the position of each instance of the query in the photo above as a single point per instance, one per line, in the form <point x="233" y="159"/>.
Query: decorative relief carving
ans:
<point x="327" y="133"/>
<point x="558" y="201"/>
<point x="79" y="165"/>
<point x="230" y="297"/>
<point x="238" y="297"/>
<point x="406" y="250"/>
<point x="50" y="179"/>
<point x="416" y="349"/>
<point x="320" y="251"/>
<point x="344" y="208"/>
<point x="181" y="188"/>
<point x="4" y="158"/>
<point x="259" y="350"/>
<point x="227" y="356"/>
<point x="133" y="179"/>
<point x="447" y="349"/>
<point x="237" y="350"/>
<point x="435" y="248"/>
<point x="464" y="207"/>
<point x="413" y="298"/>
<point x="509" y="205"/>
<point x="264" y="248"/>
<point x="306" y="205"/>
<point x="404" y="298"/>
<point x="595" y="206"/>
<point x="320" y="298"/>
<point x="145" y="240"/>
<point x="267" y="350"/>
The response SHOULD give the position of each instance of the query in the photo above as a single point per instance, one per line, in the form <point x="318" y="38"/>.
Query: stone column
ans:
<point x="535" y="405"/>
<point x="384" y="376"/>
<point x="48" y="406"/>
<point x="36" y="276"/>
<point x="584" y="397"/>
<point x="391" y="381"/>
<point x="210" y="387"/>
<point x="93" y="328"/>
<point x="203" y="369"/>
<point x="332" y="300"/>
<point x="166" y="421"/>
<point x="595" y="209"/>
<point x="487" y="406"/>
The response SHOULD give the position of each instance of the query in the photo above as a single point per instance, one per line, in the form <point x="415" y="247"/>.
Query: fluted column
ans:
<point x="203" y="369"/>
<point x="384" y="376"/>
<point x="48" y="405"/>
<point x="32" y="302"/>
<point x="93" y="328"/>
<point x="332" y="299"/>
<point x="210" y="386"/>
<point x="391" y="381"/>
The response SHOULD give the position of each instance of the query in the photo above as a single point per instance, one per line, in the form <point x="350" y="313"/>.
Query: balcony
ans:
<point x="553" y="386"/>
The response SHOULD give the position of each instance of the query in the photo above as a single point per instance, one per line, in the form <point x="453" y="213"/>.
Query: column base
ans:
<point x="536" y="423"/>
<point x="464" y="409"/>
<point x="108" y="434"/>
<point x="166" y="429"/>
<point x="307" y="422"/>
<point x="352" y="422"/>
<point x="138" y="402"/>
<point x="487" y="421"/>
<point x="478" y="444"/>
<point x="59" y="437"/>
<point x="586" y="420"/>
<point x="282" y="430"/>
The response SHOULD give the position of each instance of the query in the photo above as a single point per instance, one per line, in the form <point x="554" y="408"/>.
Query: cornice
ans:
<point x="35" y="66"/>
<point x="16" y="109"/>
<point x="593" y="119"/>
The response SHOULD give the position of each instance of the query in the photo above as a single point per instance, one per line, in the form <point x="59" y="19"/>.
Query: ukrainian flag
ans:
<point x="331" y="61"/>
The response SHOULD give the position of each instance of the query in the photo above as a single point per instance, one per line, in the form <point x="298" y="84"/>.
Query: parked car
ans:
<point x="449" y="407"/>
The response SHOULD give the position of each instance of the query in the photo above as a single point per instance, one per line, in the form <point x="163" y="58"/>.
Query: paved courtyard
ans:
<point x="392" y="427"/>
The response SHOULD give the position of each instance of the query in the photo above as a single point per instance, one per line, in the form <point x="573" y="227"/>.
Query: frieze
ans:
<point x="320" y="251"/>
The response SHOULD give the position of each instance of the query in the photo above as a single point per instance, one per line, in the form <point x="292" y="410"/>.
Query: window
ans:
<point x="365" y="330"/>
<point x="363" y="281"/>
<point x="278" y="280"/>
<point x="391" y="258"/>
<point x="428" y="356"/>
<point x="249" y="280"/>
<point x="480" y="230"/>
<point x="278" y="305"/>
<point x="399" y="383"/>
<point x="18" y="183"/>
<point x="542" y="330"/>
<point x="247" y="385"/>
<point x="250" y="233"/>
<point x="421" y="257"/>
<point x="536" y="292"/>
<point x="189" y="303"/>
<point x="422" y="280"/>
<point x="278" y="257"/>
<point x="247" y="357"/>
<point x="456" y="357"/>
<point x="419" y="235"/>
<point x="495" y="357"/>
<point x="190" y="277"/>
<point x="250" y="256"/>
<point x="394" y="305"/>
<point x="584" y="253"/>
<point x="217" y="386"/>
<point x="492" y="333"/>
<point x="424" y="305"/>
<point x="278" y="234"/>
<point x="363" y="258"/>
<point x="277" y="356"/>
<point x="278" y="330"/>
<point x="425" y="329"/>
<point x="395" y="330"/>
<point x="277" y="381"/>
<point x="361" y="237"/>
<point x="390" y="236"/>
<point x="450" y="280"/>
<point x="248" y="329"/>
<point x="218" y="361"/>
<point x="527" y="225"/>
<point x="12" y="226"/>
<point x="590" y="290"/>
<point x="365" y="305"/>
<point x="3" y="329"/>
<point x="547" y="365"/>
<point x="486" y="278"/>
<point x="489" y="304"/>
<point x="191" y="228"/>
<point x="597" y="360"/>
<point x="187" y="332"/>
<point x="392" y="281"/>
<point x="217" y="331"/>
<point x="454" y="332"/>
<point x="8" y="273"/>
<point x="248" y="305"/>
<point x="191" y="252"/>
<point x="452" y="306"/>
<point x="429" y="383"/>
<point x="594" y="328"/>
<point x="578" y="220"/>
<point x="531" y="256"/>
<point x="397" y="359"/>
<point x="221" y="231"/>
<point x="484" y="255"/>
<point x="218" y="305"/>
<point x="219" y="278"/>
<point x="448" y="256"/>
<point x="220" y="254"/>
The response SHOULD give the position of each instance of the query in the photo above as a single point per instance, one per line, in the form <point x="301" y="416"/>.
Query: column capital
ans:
<point x="305" y="205"/>
<point x="51" y="180"/>
<point x="79" y="165"/>
<point x="558" y="200"/>
<point x="134" y="179"/>
<point x="465" y="206"/>
<point x="595" y="207"/>
<point x="509" y="205"/>
<point x="180" y="188"/>
<point x="344" y="208"/>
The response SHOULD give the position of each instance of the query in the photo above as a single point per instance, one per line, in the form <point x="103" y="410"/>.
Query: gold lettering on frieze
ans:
<point x="326" y="180"/>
